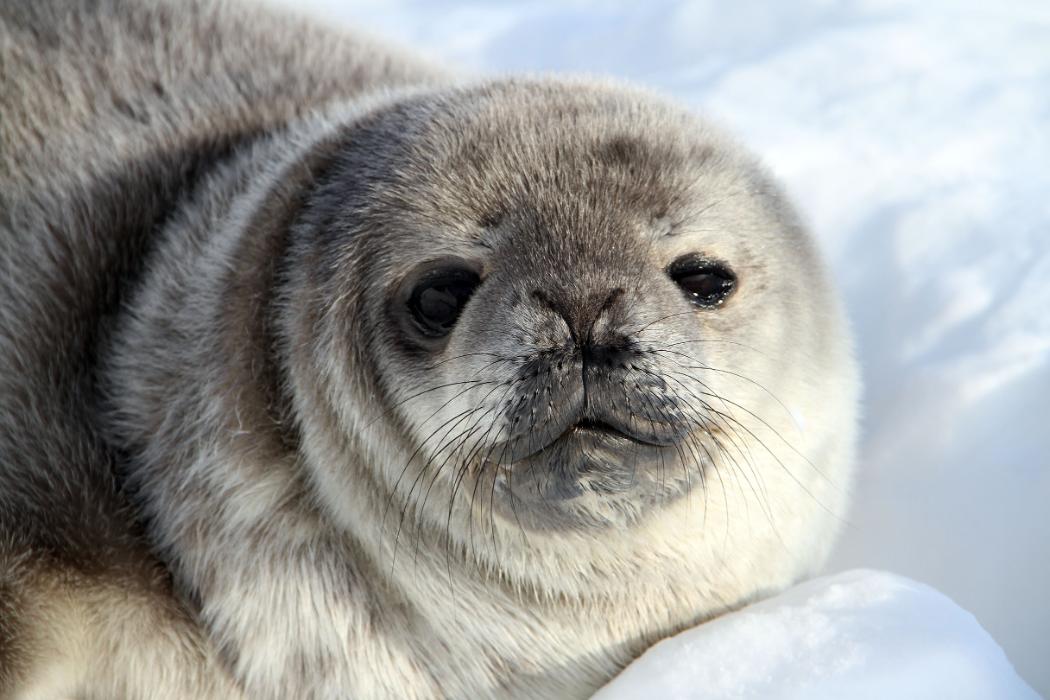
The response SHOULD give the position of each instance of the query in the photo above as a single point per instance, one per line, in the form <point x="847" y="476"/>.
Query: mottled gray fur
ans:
<point x="228" y="468"/>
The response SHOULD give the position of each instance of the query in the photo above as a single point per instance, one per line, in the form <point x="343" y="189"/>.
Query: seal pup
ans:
<point x="326" y="375"/>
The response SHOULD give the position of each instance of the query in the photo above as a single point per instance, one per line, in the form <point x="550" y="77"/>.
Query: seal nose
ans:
<point x="582" y="314"/>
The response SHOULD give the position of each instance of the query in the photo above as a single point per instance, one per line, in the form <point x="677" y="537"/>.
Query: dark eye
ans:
<point x="438" y="299"/>
<point x="705" y="282"/>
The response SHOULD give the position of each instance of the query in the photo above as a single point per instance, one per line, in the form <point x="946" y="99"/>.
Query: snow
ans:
<point x="915" y="138"/>
<point x="858" y="635"/>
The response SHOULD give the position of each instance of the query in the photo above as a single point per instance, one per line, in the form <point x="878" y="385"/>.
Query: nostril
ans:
<point x="613" y="297"/>
<point x="558" y="308"/>
<point x="539" y="296"/>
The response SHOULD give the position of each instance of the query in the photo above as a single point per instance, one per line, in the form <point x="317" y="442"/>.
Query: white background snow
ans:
<point x="915" y="137"/>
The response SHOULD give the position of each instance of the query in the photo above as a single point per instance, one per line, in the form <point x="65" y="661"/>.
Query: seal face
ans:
<point x="580" y="302"/>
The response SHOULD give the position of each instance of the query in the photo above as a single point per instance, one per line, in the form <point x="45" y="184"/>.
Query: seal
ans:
<point x="326" y="374"/>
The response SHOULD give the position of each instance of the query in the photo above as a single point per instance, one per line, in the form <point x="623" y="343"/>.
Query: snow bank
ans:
<point x="857" y="635"/>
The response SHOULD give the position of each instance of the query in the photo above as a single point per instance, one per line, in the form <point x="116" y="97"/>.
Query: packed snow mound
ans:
<point x="860" y="634"/>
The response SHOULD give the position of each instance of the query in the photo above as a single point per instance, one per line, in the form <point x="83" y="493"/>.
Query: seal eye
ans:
<point x="439" y="298"/>
<point x="705" y="282"/>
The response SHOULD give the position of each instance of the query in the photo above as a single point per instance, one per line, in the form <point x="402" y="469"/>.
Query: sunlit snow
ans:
<point x="863" y="635"/>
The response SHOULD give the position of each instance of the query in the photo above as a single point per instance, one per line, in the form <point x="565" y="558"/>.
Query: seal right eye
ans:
<point x="438" y="299"/>
<point x="706" y="282"/>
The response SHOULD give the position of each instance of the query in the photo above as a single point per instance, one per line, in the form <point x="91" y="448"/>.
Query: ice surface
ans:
<point x="915" y="137"/>
<point x="857" y="635"/>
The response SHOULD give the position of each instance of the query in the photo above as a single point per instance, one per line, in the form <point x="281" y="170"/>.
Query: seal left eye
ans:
<point x="438" y="299"/>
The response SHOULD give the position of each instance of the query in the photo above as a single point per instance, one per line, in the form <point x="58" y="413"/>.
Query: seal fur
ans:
<point x="219" y="466"/>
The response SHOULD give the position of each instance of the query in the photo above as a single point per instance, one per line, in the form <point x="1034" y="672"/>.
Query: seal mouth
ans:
<point x="588" y="427"/>
<point x="584" y="432"/>
<point x="592" y="473"/>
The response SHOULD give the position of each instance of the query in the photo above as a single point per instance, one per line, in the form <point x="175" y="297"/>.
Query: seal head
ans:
<point x="576" y="303"/>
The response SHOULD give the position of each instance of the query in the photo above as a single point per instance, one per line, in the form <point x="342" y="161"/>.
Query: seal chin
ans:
<point x="593" y="474"/>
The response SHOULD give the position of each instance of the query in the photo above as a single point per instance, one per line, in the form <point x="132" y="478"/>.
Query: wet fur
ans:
<point x="202" y="422"/>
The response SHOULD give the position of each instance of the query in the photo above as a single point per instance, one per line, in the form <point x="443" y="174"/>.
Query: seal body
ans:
<point x="327" y="375"/>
